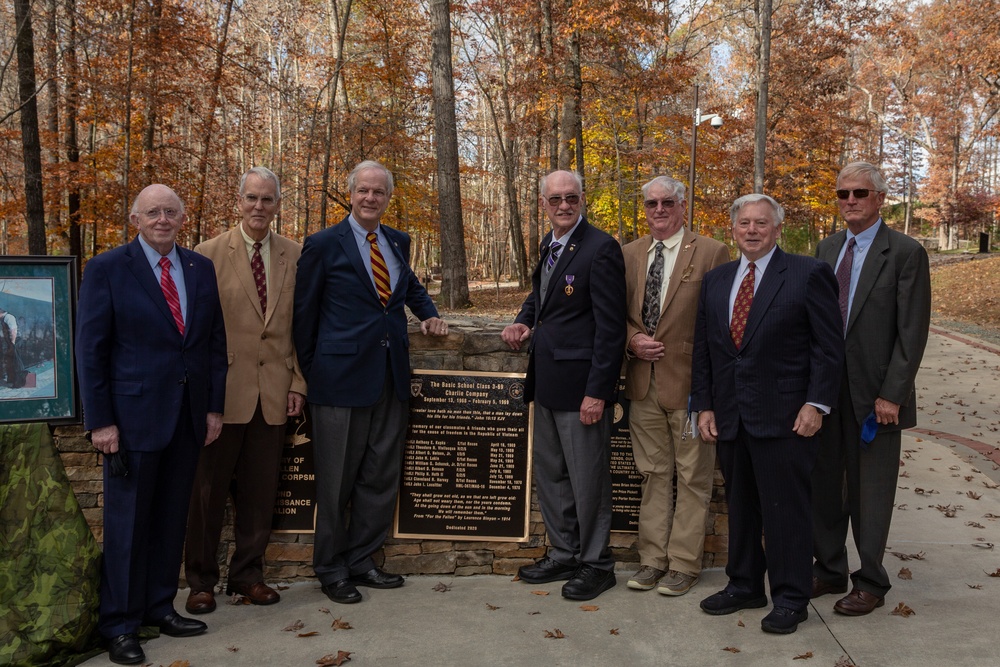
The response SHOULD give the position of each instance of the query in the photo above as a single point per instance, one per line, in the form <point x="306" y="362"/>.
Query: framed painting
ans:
<point x="37" y="308"/>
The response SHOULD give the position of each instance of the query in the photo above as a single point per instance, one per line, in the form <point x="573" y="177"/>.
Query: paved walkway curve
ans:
<point x="944" y="545"/>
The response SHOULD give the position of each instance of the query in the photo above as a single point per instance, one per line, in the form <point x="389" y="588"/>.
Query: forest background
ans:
<point x="191" y="93"/>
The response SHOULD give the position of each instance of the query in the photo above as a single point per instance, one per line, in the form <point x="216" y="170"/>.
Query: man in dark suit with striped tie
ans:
<point x="766" y="368"/>
<point x="350" y="334"/>
<point x="575" y="317"/>
<point x="151" y="357"/>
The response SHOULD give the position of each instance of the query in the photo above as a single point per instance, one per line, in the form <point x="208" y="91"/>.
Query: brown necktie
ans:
<point x="741" y="308"/>
<point x="379" y="270"/>
<point x="259" y="276"/>
<point x="170" y="293"/>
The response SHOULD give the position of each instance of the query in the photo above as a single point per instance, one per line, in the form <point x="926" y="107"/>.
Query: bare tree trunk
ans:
<point x="72" y="141"/>
<point x="763" y="80"/>
<point x="31" y="145"/>
<point x="220" y="55"/>
<point x="455" y="280"/>
<point x="127" y="167"/>
<point x="149" y="132"/>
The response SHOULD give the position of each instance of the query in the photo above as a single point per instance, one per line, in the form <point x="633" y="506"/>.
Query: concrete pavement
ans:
<point x="946" y="533"/>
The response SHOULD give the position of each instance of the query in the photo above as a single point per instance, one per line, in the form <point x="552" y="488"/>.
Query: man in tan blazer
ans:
<point x="256" y="274"/>
<point x="663" y="273"/>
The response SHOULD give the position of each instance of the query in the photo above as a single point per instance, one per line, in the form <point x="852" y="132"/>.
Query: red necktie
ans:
<point x="170" y="293"/>
<point x="379" y="270"/>
<point x="259" y="277"/>
<point x="741" y="308"/>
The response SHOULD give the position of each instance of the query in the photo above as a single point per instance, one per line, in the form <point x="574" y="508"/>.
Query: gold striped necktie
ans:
<point x="379" y="270"/>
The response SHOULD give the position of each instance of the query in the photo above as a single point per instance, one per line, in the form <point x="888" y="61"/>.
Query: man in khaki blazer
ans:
<point x="256" y="274"/>
<point x="663" y="272"/>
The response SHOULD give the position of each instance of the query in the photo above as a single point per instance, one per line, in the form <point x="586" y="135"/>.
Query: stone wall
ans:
<point x="471" y="346"/>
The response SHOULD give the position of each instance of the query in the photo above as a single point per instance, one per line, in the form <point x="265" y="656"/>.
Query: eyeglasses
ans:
<point x="557" y="200"/>
<point x="860" y="193"/>
<point x="253" y="199"/>
<point x="155" y="213"/>
<point x="653" y="203"/>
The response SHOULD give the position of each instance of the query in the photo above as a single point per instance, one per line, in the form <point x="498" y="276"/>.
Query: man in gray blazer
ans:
<point x="885" y="300"/>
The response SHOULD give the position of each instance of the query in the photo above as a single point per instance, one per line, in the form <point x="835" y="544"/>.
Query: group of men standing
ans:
<point x="191" y="362"/>
<point x="798" y="371"/>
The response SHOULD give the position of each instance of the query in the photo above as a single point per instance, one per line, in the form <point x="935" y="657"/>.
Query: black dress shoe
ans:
<point x="546" y="570"/>
<point x="175" y="625"/>
<point x="588" y="583"/>
<point x="342" y="591"/>
<point x="125" y="650"/>
<point x="783" y="621"/>
<point x="723" y="603"/>
<point x="376" y="578"/>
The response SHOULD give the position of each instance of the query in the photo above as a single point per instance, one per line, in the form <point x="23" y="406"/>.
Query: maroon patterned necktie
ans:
<point x="259" y="277"/>
<point x="844" y="280"/>
<point x="170" y="293"/>
<point x="741" y="308"/>
<point x="379" y="270"/>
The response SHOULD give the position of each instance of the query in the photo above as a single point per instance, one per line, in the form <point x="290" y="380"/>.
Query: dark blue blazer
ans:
<point x="792" y="348"/>
<point x="341" y="328"/>
<point x="578" y="336"/>
<point x="133" y="364"/>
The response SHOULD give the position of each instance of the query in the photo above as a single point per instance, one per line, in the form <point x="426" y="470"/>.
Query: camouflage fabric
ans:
<point x="49" y="559"/>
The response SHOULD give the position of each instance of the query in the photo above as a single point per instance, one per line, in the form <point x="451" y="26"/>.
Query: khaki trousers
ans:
<point x="671" y="535"/>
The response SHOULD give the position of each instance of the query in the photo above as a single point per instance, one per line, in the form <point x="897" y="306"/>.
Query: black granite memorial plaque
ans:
<point x="466" y="466"/>
<point x="295" y="506"/>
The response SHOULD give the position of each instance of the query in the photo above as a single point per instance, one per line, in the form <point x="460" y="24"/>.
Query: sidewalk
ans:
<point x="946" y="530"/>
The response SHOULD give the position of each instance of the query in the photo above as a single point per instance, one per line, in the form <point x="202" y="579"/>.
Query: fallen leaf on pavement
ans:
<point x="589" y="607"/>
<point x="442" y="587"/>
<point x="613" y="631"/>
<point x="977" y="587"/>
<point x="324" y="610"/>
<point x="904" y="573"/>
<point x="804" y="656"/>
<point x="180" y="663"/>
<point x="554" y="634"/>
<point x="844" y="661"/>
<point x="312" y="633"/>
<point x="339" y="624"/>
<point x="974" y="524"/>
<point x="539" y="592"/>
<point x="331" y="660"/>
<point x="731" y="649"/>
<point x="491" y="607"/>
<point x="902" y="610"/>
<point x="232" y="649"/>
<point x="974" y="495"/>
<point x="294" y="627"/>
<point x="901" y="556"/>
<point x="995" y="573"/>
<point x="740" y="624"/>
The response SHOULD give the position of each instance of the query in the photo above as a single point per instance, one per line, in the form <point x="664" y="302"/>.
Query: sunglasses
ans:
<point x="665" y="203"/>
<point x="557" y="200"/>
<point x="860" y="193"/>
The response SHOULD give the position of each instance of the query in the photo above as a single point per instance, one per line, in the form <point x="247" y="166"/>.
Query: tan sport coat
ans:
<point x="262" y="359"/>
<point x="695" y="257"/>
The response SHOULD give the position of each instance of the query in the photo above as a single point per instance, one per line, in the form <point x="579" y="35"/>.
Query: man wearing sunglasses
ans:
<point x="575" y="317"/>
<point x="663" y="275"/>
<point x="885" y="298"/>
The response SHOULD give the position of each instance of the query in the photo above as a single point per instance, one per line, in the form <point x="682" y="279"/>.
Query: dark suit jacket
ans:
<point x="792" y="348"/>
<point x="696" y="256"/>
<point x="888" y="323"/>
<point x="579" y="337"/>
<point x="341" y="329"/>
<point x="134" y="365"/>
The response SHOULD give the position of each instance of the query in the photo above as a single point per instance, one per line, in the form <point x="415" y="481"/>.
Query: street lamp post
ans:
<point x="696" y="120"/>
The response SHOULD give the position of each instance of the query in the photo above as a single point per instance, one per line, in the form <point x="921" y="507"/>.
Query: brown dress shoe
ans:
<point x="821" y="587"/>
<point x="258" y="593"/>
<point x="200" y="602"/>
<point x="858" y="603"/>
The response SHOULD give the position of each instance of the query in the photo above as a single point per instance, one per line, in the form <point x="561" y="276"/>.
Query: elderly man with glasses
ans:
<point x="256" y="273"/>
<point x="885" y="300"/>
<point x="663" y="273"/>
<point x="575" y="316"/>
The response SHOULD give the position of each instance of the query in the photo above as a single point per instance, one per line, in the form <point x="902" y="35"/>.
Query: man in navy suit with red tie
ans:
<point x="350" y="334"/>
<point x="766" y="368"/>
<point x="151" y="358"/>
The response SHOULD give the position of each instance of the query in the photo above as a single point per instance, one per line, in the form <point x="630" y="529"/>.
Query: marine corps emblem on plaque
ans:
<point x="516" y="390"/>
